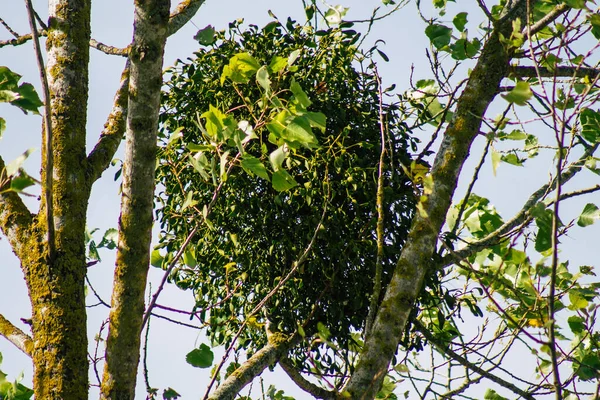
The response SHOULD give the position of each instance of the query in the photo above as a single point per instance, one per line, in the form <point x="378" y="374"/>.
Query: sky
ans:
<point x="404" y="43"/>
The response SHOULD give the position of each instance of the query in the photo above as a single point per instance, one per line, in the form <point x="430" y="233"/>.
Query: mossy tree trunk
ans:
<point x="58" y="345"/>
<point x="135" y="222"/>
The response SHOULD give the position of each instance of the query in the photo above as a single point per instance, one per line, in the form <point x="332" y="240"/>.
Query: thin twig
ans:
<point x="8" y="28"/>
<point x="462" y="360"/>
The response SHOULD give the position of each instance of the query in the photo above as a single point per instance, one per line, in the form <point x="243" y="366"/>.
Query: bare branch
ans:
<point x="137" y="200"/>
<point x="184" y="12"/>
<point x="8" y="28"/>
<point x="16" y="336"/>
<point x="316" y="391"/>
<point x="559" y="71"/>
<point x="415" y="259"/>
<point x="463" y="361"/>
<point x="546" y="20"/>
<point x="110" y="50"/>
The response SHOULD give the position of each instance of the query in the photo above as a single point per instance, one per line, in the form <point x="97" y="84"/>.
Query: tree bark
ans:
<point x="56" y="286"/>
<point x="135" y="222"/>
<point x="278" y="347"/>
<point x="415" y="261"/>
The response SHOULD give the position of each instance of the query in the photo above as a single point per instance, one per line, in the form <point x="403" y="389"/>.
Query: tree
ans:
<point x="51" y="243"/>
<point x="538" y="55"/>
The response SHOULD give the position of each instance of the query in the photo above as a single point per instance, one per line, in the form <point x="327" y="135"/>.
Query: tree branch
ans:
<point x="558" y="71"/>
<point x="100" y="157"/>
<point x="523" y="215"/>
<point x="110" y="50"/>
<point x="183" y="14"/>
<point x="277" y="347"/>
<point x="316" y="391"/>
<point x="15" y="218"/>
<point x="463" y="361"/>
<point x="16" y="336"/>
<point x="415" y="260"/>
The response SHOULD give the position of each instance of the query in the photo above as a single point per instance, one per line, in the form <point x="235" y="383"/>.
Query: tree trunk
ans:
<point x="56" y="286"/>
<point x="135" y="222"/>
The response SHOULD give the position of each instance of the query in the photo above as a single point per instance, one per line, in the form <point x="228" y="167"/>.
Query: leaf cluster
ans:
<point x="261" y="82"/>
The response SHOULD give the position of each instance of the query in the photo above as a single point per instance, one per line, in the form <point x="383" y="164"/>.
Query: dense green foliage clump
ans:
<point x="263" y="219"/>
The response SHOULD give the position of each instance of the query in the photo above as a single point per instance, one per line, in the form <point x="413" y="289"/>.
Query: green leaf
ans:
<point x="206" y="36"/>
<point x="283" y="181"/>
<point x="189" y="201"/>
<point x="460" y="21"/>
<point x="576" y="324"/>
<point x="578" y="302"/>
<point x="299" y="133"/>
<point x="590" y="125"/>
<point x="28" y="99"/>
<point x="109" y="239"/>
<point x="576" y="4"/>
<point x="491" y="394"/>
<point x="13" y="167"/>
<point x="189" y="259"/>
<point x="316" y="119"/>
<point x="335" y="14"/>
<point x="439" y="35"/>
<point x="262" y="77"/>
<point x="21" y="182"/>
<point x="156" y="259"/>
<point x="277" y="157"/>
<point x="324" y="332"/>
<point x="589" y="215"/>
<point x="201" y="357"/>
<point x="594" y="20"/>
<point x="241" y="68"/>
<point x="277" y="64"/>
<point x="463" y="49"/>
<point x="24" y="96"/>
<point x="520" y="94"/>
<point x="512" y="159"/>
<point x="543" y="220"/>
<point x="2" y="126"/>
<point x="253" y="165"/>
<point x="514" y="135"/>
<point x="299" y="95"/>
<point x="170" y="393"/>
<point x="293" y="57"/>
<point x="589" y="367"/>
<point x="496" y="158"/>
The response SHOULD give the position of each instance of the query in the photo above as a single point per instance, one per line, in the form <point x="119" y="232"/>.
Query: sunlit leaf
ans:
<point x="282" y="181"/>
<point x="590" y="125"/>
<point x="460" y="20"/>
<point x="262" y="77"/>
<point x="439" y="35"/>
<point x="520" y="94"/>
<point x="253" y="165"/>
<point x="589" y="215"/>
<point x="206" y="36"/>
<point x="201" y="357"/>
